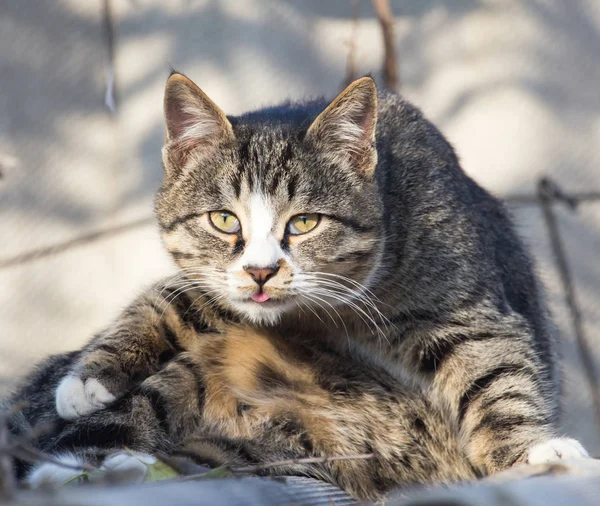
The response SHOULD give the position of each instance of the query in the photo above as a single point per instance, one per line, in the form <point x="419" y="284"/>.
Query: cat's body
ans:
<point x="243" y="398"/>
<point x="342" y="300"/>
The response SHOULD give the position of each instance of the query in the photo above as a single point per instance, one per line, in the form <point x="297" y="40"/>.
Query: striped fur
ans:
<point x="239" y="396"/>
<point x="408" y="323"/>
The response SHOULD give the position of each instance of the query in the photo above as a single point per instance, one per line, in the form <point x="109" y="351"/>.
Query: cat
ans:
<point x="344" y="288"/>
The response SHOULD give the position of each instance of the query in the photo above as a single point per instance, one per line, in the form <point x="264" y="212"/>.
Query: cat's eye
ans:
<point x="303" y="223"/>
<point x="224" y="221"/>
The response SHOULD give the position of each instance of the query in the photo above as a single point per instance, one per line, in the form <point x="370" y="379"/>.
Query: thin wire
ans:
<point x="549" y="193"/>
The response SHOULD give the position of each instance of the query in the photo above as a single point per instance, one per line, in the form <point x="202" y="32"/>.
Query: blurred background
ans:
<point x="514" y="85"/>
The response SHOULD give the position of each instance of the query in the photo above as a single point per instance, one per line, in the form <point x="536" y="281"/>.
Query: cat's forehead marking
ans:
<point x="261" y="216"/>
<point x="262" y="248"/>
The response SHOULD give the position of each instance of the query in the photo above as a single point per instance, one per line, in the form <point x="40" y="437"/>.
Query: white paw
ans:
<point x="74" y="398"/>
<point x="561" y="448"/>
<point x="53" y="475"/>
<point x="131" y="466"/>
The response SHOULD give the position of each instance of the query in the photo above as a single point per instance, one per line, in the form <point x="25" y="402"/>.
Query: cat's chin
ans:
<point x="265" y="313"/>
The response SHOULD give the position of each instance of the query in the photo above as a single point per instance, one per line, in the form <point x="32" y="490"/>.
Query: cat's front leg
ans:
<point x="502" y="391"/>
<point x="146" y="335"/>
<point x="77" y="396"/>
<point x="153" y="417"/>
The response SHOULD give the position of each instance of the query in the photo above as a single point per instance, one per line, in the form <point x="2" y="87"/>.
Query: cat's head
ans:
<point x="276" y="210"/>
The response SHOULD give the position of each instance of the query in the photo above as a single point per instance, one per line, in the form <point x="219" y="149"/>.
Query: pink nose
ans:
<point x="261" y="275"/>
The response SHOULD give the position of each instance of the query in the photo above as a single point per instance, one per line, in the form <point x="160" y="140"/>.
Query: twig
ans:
<point x="182" y="465"/>
<point x="351" y="69"/>
<point x="7" y="476"/>
<point x="308" y="460"/>
<point x="269" y="465"/>
<point x="549" y="192"/>
<point x="577" y="197"/>
<point x="17" y="407"/>
<point x="390" y="65"/>
<point x="109" y="32"/>
<point x="21" y="447"/>
<point x="38" y="430"/>
<point x="31" y="454"/>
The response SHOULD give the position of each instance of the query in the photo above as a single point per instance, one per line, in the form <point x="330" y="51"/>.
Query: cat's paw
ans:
<point x="50" y="474"/>
<point x="128" y="467"/>
<point x="75" y="398"/>
<point x="561" y="448"/>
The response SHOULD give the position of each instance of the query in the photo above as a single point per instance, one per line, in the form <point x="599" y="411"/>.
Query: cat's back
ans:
<point x="453" y="219"/>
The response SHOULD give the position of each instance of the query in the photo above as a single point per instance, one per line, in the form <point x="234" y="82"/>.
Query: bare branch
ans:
<point x="7" y="476"/>
<point x="390" y="65"/>
<point x="183" y="465"/>
<point x="549" y="192"/>
<point x="576" y="197"/>
<point x="351" y="68"/>
<point x="309" y="460"/>
<point x="270" y="465"/>
<point x="31" y="454"/>
<point x="14" y="446"/>
<point x="17" y="407"/>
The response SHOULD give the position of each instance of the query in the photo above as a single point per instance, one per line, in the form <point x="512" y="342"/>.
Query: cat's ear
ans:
<point x="345" y="131"/>
<point x="194" y="122"/>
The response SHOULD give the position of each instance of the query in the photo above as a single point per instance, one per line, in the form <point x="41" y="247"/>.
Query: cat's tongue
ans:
<point x="260" y="297"/>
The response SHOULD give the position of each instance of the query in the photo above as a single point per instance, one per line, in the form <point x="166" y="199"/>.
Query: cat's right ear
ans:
<point x="345" y="130"/>
<point x="195" y="125"/>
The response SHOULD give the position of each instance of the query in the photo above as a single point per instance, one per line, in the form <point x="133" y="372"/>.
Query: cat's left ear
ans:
<point x="345" y="131"/>
<point x="195" y="125"/>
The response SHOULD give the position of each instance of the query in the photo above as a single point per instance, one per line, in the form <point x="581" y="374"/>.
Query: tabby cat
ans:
<point x="344" y="288"/>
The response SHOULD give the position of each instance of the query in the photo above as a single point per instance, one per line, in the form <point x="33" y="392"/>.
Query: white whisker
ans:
<point x="357" y="309"/>
<point x="315" y="298"/>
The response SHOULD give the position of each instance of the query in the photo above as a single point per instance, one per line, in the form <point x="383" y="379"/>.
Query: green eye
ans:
<point x="225" y="221"/>
<point x="303" y="223"/>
